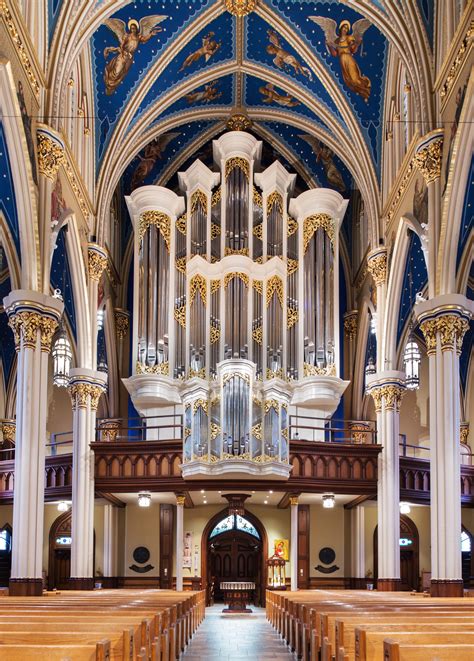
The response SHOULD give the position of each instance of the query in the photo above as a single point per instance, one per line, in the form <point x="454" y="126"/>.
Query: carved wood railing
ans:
<point x="58" y="478"/>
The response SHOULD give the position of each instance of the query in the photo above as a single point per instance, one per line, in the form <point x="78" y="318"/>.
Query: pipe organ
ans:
<point x="236" y="307"/>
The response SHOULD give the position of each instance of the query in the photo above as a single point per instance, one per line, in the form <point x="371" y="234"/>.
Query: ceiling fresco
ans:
<point x="61" y="277"/>
<point x="415" y="269"/>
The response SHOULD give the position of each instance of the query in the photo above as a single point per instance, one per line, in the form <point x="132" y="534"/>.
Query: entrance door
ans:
<point x="409" y="554"/>
<point x="234" y="556"/>
<point x="62" y="568"/>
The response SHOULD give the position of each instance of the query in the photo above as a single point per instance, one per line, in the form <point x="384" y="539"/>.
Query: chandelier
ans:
<point x="62" y="358"/>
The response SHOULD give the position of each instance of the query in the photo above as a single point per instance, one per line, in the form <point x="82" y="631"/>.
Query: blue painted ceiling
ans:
<point x="7" y="197"/>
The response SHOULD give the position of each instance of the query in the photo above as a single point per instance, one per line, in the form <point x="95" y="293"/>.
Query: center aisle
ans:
<point x="234" y="637"/>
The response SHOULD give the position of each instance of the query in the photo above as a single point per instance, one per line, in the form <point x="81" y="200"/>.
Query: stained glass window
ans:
<point x="465" y="542"/>
<point x="234" y="522"/>
<point x="5" y="540"/>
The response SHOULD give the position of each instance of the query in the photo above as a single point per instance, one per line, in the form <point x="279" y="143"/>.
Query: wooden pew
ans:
<point x="98" y="652"/>
<point x="397" y="651"/>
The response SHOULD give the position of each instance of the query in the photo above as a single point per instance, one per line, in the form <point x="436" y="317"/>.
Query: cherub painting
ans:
<point x="283" y="59"/>
<point x="152" y="152"/>
<point x="325" y="155"/>
<point x="208" y="94"/>
<point x="344" y="45"/>
<point x="209" y="47"/>
<point x="139" y="33"/>
<point x="270" y="95"/>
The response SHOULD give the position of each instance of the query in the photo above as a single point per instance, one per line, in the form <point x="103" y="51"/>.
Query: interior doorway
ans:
<point x="409" y="554"/>
<point x="59" y="566"/>
<point x="234" y="548"/>
<point x="5" y="554"/>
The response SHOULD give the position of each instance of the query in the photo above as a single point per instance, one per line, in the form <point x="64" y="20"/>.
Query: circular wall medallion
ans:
<point x="141" y="554"/>
<point x="327" y="555"/>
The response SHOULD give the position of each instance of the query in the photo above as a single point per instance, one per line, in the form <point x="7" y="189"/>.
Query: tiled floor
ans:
<point x="235" y="637"/>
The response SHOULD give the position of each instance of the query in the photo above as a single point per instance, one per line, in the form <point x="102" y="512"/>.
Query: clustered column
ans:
<point x="444" y="321"/>
<point x="387" y="389"/>
<point x="33" y="317"/>
<point x="85" y="388"/>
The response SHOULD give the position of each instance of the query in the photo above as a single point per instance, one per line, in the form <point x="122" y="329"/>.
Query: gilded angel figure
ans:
<point x="344" y="45"/>
<point x="139" y="33"/>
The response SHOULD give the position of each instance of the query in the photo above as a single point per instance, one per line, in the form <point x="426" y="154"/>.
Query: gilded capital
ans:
<point x="180" y="500"/>
<point x="293" y="500"/>
<point x="109" y="430"/>
<point x="240" y="8"/>
<point x="122" y="322"/>
<point x="377" y="265"/>
<point x="27" y="324"/>
<point x="463" y="432"/>
<point x="84" y="393"/>
<point x="97" y="261"/>
<point x="350" y="324"/>
<point x="389" y="395"/>
<point x="428" y="158"/>
<point x="450" y="328"/>
<point x="8" y="430"/>
<point x="51" y="154"/>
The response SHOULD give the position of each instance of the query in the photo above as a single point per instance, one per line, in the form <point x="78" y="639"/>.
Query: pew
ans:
<point x="396" y="651"/>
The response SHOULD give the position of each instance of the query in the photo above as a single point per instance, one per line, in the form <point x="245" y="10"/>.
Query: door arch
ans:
<point x="5" y="554"/>
<point x="409" y="554"/>
<point x="205" y="549"/>
<point x="59" y="565"/>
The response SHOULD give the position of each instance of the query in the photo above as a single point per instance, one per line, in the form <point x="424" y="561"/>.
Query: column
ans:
<point x="179" y="542"/>
<point x="358" y="546"/>
<point x="444" y="321"/>
<point x="33" y="318"/>
<point x="387" y="389"/>
<point x="294" y="543"/>
<point x="377" y="267"/>
<point x="110" y="540"/>
<point x="428" y="158"/>
<point x="85" y="388"/>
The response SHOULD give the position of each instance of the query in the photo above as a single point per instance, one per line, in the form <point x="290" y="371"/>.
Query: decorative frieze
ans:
<point x="313" y="223"/>
<point x="161" y="220"/>
<point x="428" y="157"/>
<point x="51" y="154"/>
<point x="20" y="47"/>
<point x="122" y="322"/>
<point x="458" y="61"/>
<point x="313" y="370"/>
<point x="350" y="324"/>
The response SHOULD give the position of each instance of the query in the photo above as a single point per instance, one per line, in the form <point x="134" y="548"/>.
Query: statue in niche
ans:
<point x="209" y="47"/>
<point x="139" y="33"/>
<point x="325" y="155"/>
<point x="58" y="203"/>
<point x="283" y="59"/>
<point x="152" y="152"/>
<point x="208" y="94"/>
<point x="340" y="43"/>
<point x="420" y="202"/>
<point x="26" y="119"/>
<point x="270" y="95"/>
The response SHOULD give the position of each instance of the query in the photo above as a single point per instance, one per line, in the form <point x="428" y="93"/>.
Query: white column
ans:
<point x="444" y="321"/>
<point x="358" y="542"/>
<point x="110" y="540"/>
<point x="179" y="542"/>
<point x="85" y="387"/>
<point x="33" y="318"/>
<point x="387" y="389"/>
<point x="294" y="543"/>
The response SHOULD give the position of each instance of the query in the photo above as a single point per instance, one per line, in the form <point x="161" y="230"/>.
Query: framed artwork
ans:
<point x="187" y="549"/>
<point x="282" y="548"/>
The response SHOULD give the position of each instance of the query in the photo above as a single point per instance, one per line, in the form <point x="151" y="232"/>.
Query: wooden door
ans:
<point x="62" y="568"/>
<point x="234" y="556"/>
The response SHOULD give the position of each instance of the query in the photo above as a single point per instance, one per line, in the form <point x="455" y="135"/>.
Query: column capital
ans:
<point x="122" y="322"/>
<point x="293" y="500"/>
<point x="350" y="323"/>
<point x="51" y="152"/>
<point x="387" y="388"/>
<point x="30" y="313"/>
<point x="446" y="316"/>
<point x="86" y="386"/>
<point x="180" y="500"/>
<point x="428" y="155"/>
<point x="377" y="265"/>
<point x="9" y="430"/>
<point x="97" y="261"/>
<point x="463" y="432"/>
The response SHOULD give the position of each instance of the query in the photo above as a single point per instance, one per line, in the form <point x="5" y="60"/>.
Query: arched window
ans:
<point x="5" y="540"/>
<point x="465" y="542"/>
<point x="234" y="522"/>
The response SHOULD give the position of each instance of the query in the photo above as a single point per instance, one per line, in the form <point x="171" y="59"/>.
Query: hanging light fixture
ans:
<point x="144" y="499"/>
<point x="404" y="507"/>
<point x="62" y="358"/>
<point x="329" y="501"/>
<point x="63" y="506"/>
<point x="370" y="368"/>
<point x="100" y="318"/>
<point x="411" y="355"/>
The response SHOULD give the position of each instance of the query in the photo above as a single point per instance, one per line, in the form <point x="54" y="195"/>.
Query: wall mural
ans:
<point x="30" y="140"/>
<point x="208" y="47"/>
<point x="151" y="153"/>
<point x="209" y="93"/>
<point x="270" y="95"/>
<point x="139" y="32"/>
<point x="283" y="59"/>
<point x="325" y="155"/>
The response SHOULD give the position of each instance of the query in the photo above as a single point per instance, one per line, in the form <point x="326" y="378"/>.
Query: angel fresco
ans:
<point x="282" y="58"/>
<point x="208" y="94"/>
<point x="340" y="43"/>
<point x="325" y="155"/>
<point x="152" y="152"/>
<point x="139" y="33"/>
<point x="207" y="50"/>
<point x="270" y="95"/>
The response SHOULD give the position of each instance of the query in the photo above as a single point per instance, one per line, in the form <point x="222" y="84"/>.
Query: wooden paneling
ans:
<point x="166" y="545"/>
<point x="303" y="547"/>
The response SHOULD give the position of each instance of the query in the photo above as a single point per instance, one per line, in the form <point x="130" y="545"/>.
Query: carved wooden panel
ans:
<point x="166" y="545"/>
<point x="303" y="546"/>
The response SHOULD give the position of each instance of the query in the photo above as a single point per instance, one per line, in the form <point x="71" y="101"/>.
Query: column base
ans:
<point x="25" y="587"/>
<point x="81" y="583"/>
<point x="389" y="584"/>
<point x="445" y="587"/>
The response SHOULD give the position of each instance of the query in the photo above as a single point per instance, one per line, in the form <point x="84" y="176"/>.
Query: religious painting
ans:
<point x="208" y="48"/>
<point x="270" y="95"/>
<point x="343" y="44"/>
<point x="282" y="549"/>
<point x="283" y="59"/>
<point x="188" y="550"/>
<point x="26" y="119"/>
<point x="420" y="202"/>
<point x="152" y="152"/>
<point x="325" y="156"/>
<point x="460" y="96"/>
<point x="139" y="32"/>
<point x="58" y="203"/>
<point x="208" y="94"/>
